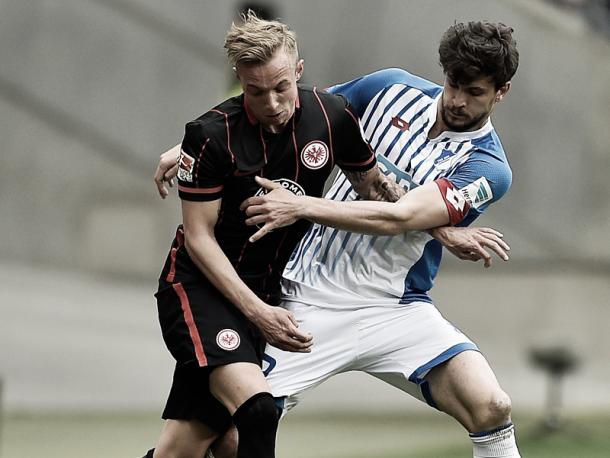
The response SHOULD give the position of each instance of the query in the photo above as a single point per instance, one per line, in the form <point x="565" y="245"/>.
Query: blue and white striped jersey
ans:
<point x="396" y="111"/>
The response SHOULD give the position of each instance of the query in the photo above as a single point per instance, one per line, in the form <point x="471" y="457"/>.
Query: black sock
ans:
<point x="256" y="421"/>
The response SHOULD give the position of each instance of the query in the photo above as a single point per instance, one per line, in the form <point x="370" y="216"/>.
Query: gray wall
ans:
<point x="92" y="91"/>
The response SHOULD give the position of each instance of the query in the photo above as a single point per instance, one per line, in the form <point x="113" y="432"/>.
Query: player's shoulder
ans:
<point x="489" y="160"/>
<point x="314" y="95"/>
<point x="214" y="121"/>
<point x="490" y="145"/>
<point x="387" y="77"/>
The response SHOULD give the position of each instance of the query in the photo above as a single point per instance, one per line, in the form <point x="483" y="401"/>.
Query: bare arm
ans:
<point x="277" y="325"/>
<point x="422" y="208"/>
<point x="372" y="184"/>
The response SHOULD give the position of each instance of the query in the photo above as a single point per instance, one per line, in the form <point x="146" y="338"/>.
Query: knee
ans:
<point x="492" y="413"/>
<point x="258" y="414"/>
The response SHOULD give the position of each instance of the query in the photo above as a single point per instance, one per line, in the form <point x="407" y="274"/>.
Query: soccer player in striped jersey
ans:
<point x="359" y="279"/>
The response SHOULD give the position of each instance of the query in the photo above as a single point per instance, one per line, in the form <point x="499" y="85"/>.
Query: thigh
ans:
<point x="334" y="350"/>
<point x="400" y="345"/>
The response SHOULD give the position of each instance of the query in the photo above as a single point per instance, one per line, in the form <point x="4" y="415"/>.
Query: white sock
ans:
<point x="499" y="443"/>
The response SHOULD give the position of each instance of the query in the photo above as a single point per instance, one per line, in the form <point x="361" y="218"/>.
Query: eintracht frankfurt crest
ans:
<point x="227" y="339"/>
<point x="315" y="155"/>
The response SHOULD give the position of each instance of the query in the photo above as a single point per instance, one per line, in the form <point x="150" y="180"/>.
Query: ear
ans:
<point x="502" y="92"/>
<point x="299" y="68"/>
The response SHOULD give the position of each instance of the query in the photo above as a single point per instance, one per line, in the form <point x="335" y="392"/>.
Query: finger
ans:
<point x="256" y="220"/>
<point x="170" y="173"/>
<point x="260" y="233"/>
<point x="301" y="336"/>
<point x="501" y="243"/>
<point x="496" y="248"/>
<point x="160" y="184"/>
<point x="254" y="209"/>
<point x="480" y="251"/>
<point x="265" y="183"/>
<point x="250" y="201"/>
<point x="293" y="346"/>
<point x="489" y="230"/>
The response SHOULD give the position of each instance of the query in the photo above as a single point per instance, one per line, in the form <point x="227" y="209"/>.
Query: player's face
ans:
<point x="466" y="107"/>
<point x="270" y="89"/>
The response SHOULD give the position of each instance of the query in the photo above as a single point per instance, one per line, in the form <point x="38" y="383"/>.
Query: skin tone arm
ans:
<point x="420" y="209"/>
<point x="277" y="325"/>
<point x="468" y="243"/>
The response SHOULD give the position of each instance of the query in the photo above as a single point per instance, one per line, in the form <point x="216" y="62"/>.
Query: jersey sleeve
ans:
<point x="353" y="153"/>
<point x="202" y="165"/>
<point x="477" y="183"/>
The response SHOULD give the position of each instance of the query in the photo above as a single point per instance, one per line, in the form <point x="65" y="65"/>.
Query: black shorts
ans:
<point x="202" y="330"/>
<point x="201" y="326"/>
<point x="190" y="399"/>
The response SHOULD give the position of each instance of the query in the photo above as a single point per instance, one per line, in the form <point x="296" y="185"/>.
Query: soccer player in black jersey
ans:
<point x="217" y="291"/>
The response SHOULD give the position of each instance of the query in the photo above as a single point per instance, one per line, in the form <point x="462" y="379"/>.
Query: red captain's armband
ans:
<point x="456" y="203"/>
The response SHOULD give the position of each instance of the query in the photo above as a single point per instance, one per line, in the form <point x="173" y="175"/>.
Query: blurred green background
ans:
<point x="334" y="435"/>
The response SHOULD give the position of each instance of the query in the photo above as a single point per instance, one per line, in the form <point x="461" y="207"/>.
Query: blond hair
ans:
<point x="255" y="40"/>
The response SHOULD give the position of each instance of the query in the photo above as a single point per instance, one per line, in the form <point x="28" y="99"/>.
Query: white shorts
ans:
<point x="398" y="345"/>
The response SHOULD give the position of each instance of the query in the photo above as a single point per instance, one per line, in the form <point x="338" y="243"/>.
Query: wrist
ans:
<point x="254" y="310"/>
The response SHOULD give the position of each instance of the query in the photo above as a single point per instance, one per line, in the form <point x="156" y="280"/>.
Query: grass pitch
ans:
<point x="348" y="435"/>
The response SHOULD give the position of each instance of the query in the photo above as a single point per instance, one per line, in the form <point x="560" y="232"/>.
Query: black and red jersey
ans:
<point x="226" y="148"/>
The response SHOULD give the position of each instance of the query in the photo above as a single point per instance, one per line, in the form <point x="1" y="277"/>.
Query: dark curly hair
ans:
<point x="469" y="51"/>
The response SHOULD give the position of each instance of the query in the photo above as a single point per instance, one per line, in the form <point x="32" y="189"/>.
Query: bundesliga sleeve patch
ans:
<point x="185" y="167"/>
<point x="457" y="205"/>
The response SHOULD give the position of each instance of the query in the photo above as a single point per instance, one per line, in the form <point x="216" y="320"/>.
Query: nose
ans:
<point x="271" y="101"/>
<point x="459" y="99"/>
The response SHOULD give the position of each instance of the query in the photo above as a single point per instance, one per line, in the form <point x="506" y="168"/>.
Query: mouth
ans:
<point x="457" y="115"/>
<point x="276" y="115"/>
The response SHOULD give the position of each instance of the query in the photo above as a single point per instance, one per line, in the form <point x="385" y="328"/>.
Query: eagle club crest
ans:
<point x="315" y="155"/>
<point x="228" y="339"/>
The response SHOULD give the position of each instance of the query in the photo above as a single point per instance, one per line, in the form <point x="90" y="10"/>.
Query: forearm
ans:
<point x="374" y="185"/>
<point x="214" y="264"/>
<point x="420" y="209"/>
<point x="379" y="218"/>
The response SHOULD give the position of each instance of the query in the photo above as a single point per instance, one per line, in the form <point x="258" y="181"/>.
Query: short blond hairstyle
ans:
<point x="255" y="40"/>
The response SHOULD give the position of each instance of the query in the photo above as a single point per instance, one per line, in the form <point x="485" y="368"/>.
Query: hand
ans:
<point x="469" y="243"/>
<point x="276" y="209"/>
<point x="167" y="169"/>
<point x="280" y="329"/>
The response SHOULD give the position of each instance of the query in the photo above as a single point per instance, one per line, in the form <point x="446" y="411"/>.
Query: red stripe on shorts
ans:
<point x="190" y="323"/>
<point x="173" y="253"/>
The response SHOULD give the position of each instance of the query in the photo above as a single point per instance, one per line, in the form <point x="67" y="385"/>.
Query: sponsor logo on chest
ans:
<point x="287" y="184"/>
